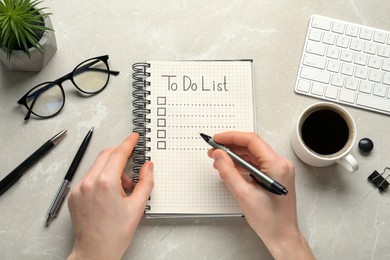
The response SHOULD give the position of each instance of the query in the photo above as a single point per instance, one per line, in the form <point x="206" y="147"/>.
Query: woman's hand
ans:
<point x="104" y="217"/>
<point x="273" y="217"/>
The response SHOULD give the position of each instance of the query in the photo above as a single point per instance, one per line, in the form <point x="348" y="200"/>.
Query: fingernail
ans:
<point x="151" y="166"/>
<point x="217" y="157"/>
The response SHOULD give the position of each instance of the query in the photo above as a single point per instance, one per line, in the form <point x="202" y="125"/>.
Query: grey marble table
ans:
<point x="341" y="214"/>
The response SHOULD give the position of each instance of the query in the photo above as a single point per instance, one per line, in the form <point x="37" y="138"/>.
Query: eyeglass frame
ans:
<point x="59" y="81"/>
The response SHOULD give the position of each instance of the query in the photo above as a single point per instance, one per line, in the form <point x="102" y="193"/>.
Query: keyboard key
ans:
<point x="342" y="41"/>
<point x="375" y="75"/>
<point x="315" y="48"/>
<point x="321" y="23"/>
<point x="315" y="35"/>
<point x="351" y="83"/>
<point x="346" y="55"/>
<point x="386" y="65"/>
<point x="347" y="69"/>
<point x="328" y="38"/>
<point x="352" y="30"/>
<point x="338" y="27"/>
<point x="314" y="61"/>
<point x="333" y="52"/>
<point x="384" y="51"/>
<point x="365" y="86"/>
<point x="379" y="36"/>
<point x="303" y="85"/>
<point x="366" y="33"/>
<point x="333" y="66"/>
<point x="370" y="47"/>
<point x="347" y="96"/>
<point x="379" y="90"/>
<point x="315" y="74"/>
<point x="331" y="92"/>
<point x="318" y="89"/>
<point x="356" y="44"/>
<point x="360" y="59"/>
<point x="373" y="102"/>
<point x="386" y="78"/>
<point x="374" y="62"/>
<point x="361" y="72"/>
<point x="337" y="80"/>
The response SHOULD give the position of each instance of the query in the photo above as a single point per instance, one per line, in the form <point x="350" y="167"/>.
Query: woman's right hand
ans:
<point x="273" y="217"/>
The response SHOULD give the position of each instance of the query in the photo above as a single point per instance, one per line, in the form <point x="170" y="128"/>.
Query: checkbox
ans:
<point x="161" y="100"/>
<point x="161" y="145"/>
<point x="161" y="134"/>
<point x="161" y="111"/>
<point x="161" y="122"/>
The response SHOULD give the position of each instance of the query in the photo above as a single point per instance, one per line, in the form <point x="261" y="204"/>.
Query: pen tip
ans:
<point x="205" y="137"/>
<point x="58" y="137"/>
<point x="47" y="221"/>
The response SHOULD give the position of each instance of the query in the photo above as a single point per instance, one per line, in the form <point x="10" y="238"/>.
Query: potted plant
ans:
<point x="27" y="39"/>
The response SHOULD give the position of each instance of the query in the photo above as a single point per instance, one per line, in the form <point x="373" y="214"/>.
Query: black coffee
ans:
<point x="325" y="132"/>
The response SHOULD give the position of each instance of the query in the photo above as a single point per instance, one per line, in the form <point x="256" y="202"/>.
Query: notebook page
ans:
<point x="188" y="98"/>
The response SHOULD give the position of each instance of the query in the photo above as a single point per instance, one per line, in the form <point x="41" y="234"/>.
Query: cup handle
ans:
<point x="349" y="162"/>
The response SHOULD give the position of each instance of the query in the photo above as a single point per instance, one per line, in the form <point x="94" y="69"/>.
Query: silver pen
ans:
<point x="260" y="178"/>
<point x="65" y="185"/>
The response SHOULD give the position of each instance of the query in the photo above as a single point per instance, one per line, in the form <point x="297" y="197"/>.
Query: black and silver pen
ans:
<point x="65" y="185"/>
<point x="15" y="175"/>
<point x="260" y="178"/>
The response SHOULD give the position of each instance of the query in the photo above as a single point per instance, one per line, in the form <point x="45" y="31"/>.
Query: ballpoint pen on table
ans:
<point x="65" y="185"/>
<point x="15" y="175"/>
<point x="260" y="178"/>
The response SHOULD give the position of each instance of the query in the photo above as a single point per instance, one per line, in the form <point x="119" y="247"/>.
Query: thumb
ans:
<point x="228" y="172"/>
<point x="142" y="190"/>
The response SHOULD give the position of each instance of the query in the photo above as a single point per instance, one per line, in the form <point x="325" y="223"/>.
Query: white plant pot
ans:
<point x="19" y="59"/>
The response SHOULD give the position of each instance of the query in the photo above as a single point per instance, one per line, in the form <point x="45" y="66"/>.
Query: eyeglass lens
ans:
<point x="91" y="76"/>
<point x="46" y="99"/>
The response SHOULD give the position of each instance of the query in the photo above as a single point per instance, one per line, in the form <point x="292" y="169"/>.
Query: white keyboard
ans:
<point x="346" y="63"/>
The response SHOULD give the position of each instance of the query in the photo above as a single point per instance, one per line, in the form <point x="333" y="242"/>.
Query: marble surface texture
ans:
<point x="341" y="214"/>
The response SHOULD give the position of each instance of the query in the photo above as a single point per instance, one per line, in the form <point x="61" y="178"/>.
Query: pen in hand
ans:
<point x="259" y="177"/>
<point x="65" y="185"/>
<point x="15" y="175"/>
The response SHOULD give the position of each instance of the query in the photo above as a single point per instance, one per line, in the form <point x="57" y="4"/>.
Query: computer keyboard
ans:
<point x="346" y="63"/>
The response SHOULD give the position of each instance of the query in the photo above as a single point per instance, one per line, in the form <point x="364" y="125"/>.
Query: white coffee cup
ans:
<point x="325" y="134"/>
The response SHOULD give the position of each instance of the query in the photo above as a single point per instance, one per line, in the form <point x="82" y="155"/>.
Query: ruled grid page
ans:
<point x="188" y="98"/>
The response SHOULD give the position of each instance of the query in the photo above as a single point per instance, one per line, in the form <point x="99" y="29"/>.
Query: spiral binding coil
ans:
<point x="140" y="112"/>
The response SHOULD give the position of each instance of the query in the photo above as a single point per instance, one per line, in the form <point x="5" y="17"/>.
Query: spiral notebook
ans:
<point x="173" y="102"/>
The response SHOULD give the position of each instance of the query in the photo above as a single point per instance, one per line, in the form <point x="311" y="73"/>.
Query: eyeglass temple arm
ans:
<point x="22" y="101"/>
<point x="35" y="94"/>
<point x="88" y="67"/>
<point x="112" y="72"/>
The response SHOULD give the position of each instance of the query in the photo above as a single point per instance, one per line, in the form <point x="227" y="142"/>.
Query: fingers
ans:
<point x="127" y="182"/>
<point x="144" y="186"/>
<point x="113" y="160"/>
<point x="239" y="141"/>
<point x="229" y="174"/>
<point x="117" y="160"/>
<point x="256" y="151"/>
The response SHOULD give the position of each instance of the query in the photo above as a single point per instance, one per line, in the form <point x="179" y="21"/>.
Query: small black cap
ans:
<point x="366" y="145"/>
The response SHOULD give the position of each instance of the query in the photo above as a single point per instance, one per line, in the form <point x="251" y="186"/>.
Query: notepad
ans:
<point x="173" y="102"/>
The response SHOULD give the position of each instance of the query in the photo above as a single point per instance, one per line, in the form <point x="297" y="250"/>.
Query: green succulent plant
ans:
<point x="21" y="25"/>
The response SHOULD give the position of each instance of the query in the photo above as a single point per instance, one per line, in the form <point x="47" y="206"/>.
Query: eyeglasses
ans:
<point x="47" y="99"/>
